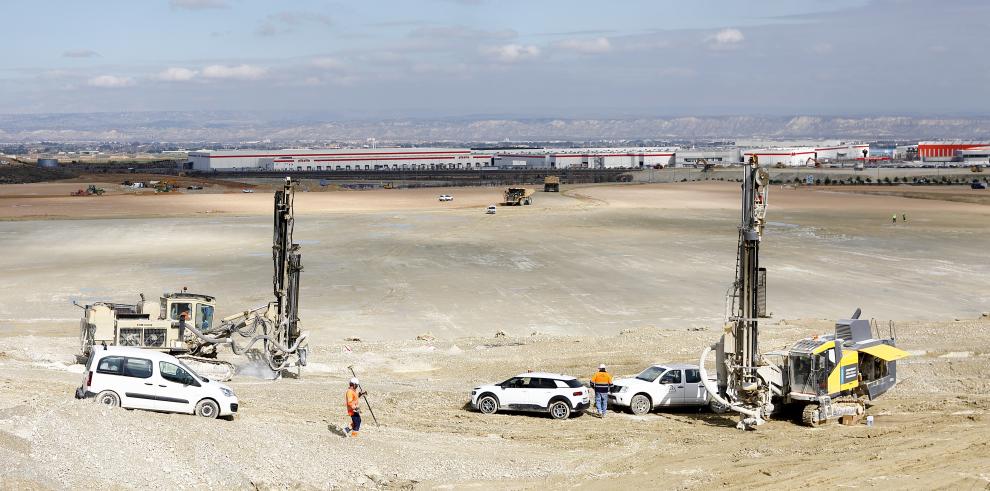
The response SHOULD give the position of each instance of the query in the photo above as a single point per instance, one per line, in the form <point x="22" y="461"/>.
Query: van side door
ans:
<point x="137" y="384"/>
<point x="178" y="390"/>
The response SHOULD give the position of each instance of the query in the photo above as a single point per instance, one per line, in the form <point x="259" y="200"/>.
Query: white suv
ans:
<point x="147" y="379"/>
<point x="446" y="197"/>
<point x="660" y="386"/>
<point x="559" y="395"/>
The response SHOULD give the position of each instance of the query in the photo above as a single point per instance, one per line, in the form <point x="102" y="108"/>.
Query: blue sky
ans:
<point x="536" y="58"/>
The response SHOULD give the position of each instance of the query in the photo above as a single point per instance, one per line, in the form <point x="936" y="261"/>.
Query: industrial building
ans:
<point x="584" y="158"/>
<point x="808" y="156"/>
<point x="715" y="156"/>
<point x="365" y="159"/>
<point x="946" y="151"/>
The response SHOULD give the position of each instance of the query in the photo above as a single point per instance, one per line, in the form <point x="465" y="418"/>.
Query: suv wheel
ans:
<point x="559" y="410"/>
<point x="207" y="409"/>
<point x="640" y="404"/>
<point x="488" y="404"/>
<point x="108" y="398"/>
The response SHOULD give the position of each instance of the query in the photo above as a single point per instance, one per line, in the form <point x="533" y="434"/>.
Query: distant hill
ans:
<point x="243" y="126"/>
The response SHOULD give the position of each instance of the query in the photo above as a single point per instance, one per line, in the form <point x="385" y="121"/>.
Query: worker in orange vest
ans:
<point x="353" y="399"/>
<point x="601" y="381"/>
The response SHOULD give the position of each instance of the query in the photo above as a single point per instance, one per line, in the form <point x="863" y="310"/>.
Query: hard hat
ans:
<point x="354" y="381"/>
<point x="601" y="367"/>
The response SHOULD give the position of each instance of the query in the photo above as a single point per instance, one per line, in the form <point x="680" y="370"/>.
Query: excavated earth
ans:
<point x="624" y="275"/>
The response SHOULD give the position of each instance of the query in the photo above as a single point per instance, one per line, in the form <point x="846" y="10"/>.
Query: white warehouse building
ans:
<point x="338" y="159"/>
<point x="584" y="158"/>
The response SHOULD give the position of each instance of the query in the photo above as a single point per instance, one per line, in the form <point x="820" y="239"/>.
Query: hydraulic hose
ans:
<point x="713" y="391"/>
<point x="241" y="349"/>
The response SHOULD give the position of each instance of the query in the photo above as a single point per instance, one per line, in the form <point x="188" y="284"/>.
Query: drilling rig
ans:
<point x="182" y="323"/>
<point x="832" y="376"/>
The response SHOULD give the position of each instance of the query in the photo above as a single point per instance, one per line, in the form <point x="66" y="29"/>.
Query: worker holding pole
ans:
<point x="353" y="400"/>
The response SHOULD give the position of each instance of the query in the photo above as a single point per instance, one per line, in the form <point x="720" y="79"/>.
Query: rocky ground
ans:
<point x="625" y="275"/>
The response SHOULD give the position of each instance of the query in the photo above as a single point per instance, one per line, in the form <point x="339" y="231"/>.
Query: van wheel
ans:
<point x="108" y="398"/>
<point x="559" y="410"/>
<point x="640" y="404"/>
<point x="488" y="405"/>
<point x="207" y="409"/>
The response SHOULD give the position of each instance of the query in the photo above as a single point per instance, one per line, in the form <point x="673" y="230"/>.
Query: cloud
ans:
<point x="726" y="39"/>
<point x="240" y="72"/>
<point x="586" y="46"/>
<point x="511" y="53"/>
<point x="197" y="4"/>
<point x="283" y="22"/>
<point x="110" y="81"/>
<point x="460" y="32"/>
<point x="177" y="74"/>
<point x="327" y="63"/>
<point x="80" y="53"/>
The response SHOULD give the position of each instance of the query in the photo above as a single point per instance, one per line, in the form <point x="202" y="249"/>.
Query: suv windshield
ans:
<point x="651" y="374"/>
<point x="574" y="383"/>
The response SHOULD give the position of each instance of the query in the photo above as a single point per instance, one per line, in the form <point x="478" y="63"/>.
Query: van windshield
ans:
<point x="651" y="374"/>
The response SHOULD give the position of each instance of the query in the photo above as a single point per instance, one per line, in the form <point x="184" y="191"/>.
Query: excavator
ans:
<point x="829" y="378"/>
<point x="182" y="323"/>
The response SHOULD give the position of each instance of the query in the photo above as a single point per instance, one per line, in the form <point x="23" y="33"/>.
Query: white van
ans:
<point x="147" y="379"/>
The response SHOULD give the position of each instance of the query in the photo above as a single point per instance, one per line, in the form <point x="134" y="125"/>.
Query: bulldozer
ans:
<point x="830" y="377"/>
<point x="183" y="323"/>
<point x="517" y="196"/>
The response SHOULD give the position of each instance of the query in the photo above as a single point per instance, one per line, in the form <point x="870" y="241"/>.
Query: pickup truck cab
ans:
<point x="661" y="385"/>
<point x="147" y="379"/>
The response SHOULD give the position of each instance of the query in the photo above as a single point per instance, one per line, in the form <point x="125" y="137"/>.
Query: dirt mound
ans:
<point x="22" y="174"/>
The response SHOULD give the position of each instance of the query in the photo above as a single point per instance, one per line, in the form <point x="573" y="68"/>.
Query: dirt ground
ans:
<point x="625" y="275"/>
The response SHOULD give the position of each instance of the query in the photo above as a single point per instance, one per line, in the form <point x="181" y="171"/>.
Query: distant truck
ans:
<point x="517" y="196"/>
<point x="551" y="184"/>
<point x="977" y="184"/>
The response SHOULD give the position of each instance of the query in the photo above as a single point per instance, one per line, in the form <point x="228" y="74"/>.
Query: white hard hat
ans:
<point x="354" y="381"/>
<point x="601" y="367"/>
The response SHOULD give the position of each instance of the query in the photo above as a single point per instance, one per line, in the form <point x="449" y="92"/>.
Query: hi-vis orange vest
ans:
<point x="352" y="401"/>
<point x="601" y="381"/>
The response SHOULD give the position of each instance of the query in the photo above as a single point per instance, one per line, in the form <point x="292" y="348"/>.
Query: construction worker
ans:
<point x="904" y="217"/>
<point x="601" y="381"/>
<point x="183" y="317"/>
<point x="893" y="219"/>
<point x="353" y="399"/>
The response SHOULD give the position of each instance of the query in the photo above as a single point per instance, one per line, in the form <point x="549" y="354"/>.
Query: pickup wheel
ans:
<point x="559" y="409"/>
<point x="107" y="398"/>
<point x="488" y="404"/>
<point x="717" y="407"/>
<point x="640" y="404"/>
<point x="207" y="409"/>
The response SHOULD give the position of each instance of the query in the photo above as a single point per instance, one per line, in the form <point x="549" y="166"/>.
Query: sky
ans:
<point x="510" y="58"/>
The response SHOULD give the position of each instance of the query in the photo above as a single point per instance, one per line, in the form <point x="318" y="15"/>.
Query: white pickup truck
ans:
<point x="662" y="385"/>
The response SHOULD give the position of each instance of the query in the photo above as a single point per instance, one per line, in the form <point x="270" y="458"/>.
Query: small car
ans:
<point x="490" y="210"/>
<point x="146" y="379"/>
<point x="662" y="385"/>
<point x="553" y="393"/>
<point x="446" y="197"/>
